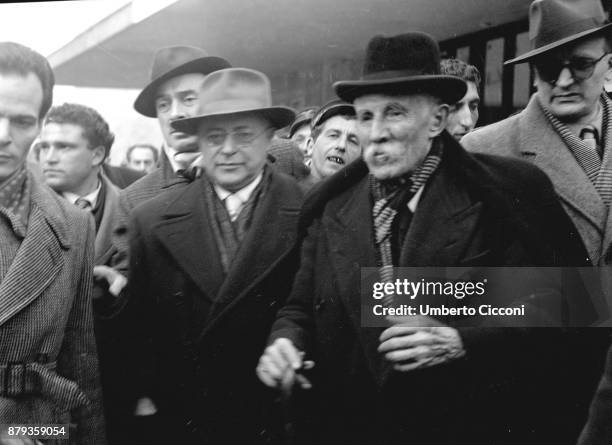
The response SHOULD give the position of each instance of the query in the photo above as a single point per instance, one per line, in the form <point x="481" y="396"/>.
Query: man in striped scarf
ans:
<point x="418" y="199"/>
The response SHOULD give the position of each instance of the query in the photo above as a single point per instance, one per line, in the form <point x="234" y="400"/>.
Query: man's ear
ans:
<point x="99" y="153"/>
<point x="309" y="145"/>
<point x="439" y="119"/>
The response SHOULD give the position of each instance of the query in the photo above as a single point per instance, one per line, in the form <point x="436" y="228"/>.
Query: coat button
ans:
<point x="319" y="305"/>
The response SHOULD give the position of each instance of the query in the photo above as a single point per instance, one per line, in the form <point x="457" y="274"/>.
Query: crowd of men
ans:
<point x="215" y="297"/>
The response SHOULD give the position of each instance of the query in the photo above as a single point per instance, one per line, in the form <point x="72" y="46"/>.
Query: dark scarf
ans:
<point x="229" y="234"/>
<point x="15" y="201"/>
<point x="390" y="200"/>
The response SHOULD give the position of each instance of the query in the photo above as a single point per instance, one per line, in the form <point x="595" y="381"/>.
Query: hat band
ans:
<point x="555" y="33"/>
<point x="392" y="74"/>
<point x="232" y="106"/>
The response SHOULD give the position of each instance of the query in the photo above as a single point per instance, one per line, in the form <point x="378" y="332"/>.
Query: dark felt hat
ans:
<point x="554" y="23"/>
<point x="170" y="62"/>
<point x="236" y="91"/>
<point x="407" y="63"/>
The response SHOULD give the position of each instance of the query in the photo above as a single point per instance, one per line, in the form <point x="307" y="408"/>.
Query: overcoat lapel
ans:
<point x="39" y="258"/>
<point x="186" y="233"/>
<point x="103" y="243"/>
<point x="541" y="145"/>
<point x="271" y="236"/>
<point x="349" y="233"/>
<point x="442" y="223"/>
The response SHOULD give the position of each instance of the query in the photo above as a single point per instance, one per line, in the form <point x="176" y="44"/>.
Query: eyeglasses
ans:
<point x="581" y="68"/>
<point x="241" y="138"/>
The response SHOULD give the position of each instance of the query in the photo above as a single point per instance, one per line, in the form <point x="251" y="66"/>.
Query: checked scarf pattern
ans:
<point x="389" y="199"/>
<point x="599" y="171"/>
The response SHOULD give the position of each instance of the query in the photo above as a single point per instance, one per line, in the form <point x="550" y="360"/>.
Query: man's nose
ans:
<point x="5" y="132"/>
<point x="177" y="111"/>
<point x="342" y="142"/>
<point x="228" y="148"/>
<point x="565" y="78"/>
<point x="378" y="131"/>
<point x="51" y="155"/>
<point x="465" y="118"/>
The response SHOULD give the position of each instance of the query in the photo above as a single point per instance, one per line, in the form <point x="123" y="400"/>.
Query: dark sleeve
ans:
<point x="120" y="238"/>
<point x="598" y="429"/>
<point x="295" y="320"/>
<point x="140" y="310"/>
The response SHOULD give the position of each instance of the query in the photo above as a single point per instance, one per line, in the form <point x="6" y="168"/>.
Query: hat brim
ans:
<point x="544" y="49"/>
<point x="145" y="102"/>
<point x="449" y="89"/>
<point x="278" y="117"/>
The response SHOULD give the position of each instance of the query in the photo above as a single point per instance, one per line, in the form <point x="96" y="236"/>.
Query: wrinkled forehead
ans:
<point x="378" y="102"/>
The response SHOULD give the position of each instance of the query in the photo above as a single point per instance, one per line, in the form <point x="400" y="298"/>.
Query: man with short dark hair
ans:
<point x="48" y="359"/>
<point x="463" y="115"/>
<point x="142" y="157"/>
<point x="333" y="142"/>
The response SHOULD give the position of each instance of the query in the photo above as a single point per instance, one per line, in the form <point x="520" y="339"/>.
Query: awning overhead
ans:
<point x="269" y="35"/>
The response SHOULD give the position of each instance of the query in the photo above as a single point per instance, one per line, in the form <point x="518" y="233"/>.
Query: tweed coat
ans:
<point x="529" y="136"/>
<point x="202" y="333"/>
<point x="46" y="320"/>
<point x="475" y="211"/>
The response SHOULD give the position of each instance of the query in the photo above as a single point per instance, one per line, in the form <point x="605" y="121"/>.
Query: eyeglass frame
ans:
<point x="567" y="63"/>
<point x="233" y="135"/>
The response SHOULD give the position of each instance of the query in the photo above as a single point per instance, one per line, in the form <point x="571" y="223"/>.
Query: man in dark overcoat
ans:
<point x="211" y="263"/>
<point x="418" y="199"/>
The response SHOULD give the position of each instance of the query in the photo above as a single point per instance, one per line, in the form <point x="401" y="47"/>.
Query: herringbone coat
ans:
<point x="46" y="320"/>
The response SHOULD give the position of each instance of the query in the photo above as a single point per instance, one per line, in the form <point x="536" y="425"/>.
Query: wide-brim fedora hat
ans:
<point x="174" y="61"/>
<point x="407" y="63"/>
<point x="235" y="91"/>
<point x="555" y="23"/>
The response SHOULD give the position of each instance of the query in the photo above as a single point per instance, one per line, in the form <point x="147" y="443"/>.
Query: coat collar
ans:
<point x="103" y="243"/>
<point x="541" y="145"/>
<point x="186" y="233"/>
<point x="40" y="256"/>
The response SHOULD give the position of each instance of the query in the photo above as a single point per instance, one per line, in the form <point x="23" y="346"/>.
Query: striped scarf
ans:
<point x="597" y="170"/>
<point x="389" y="200"/>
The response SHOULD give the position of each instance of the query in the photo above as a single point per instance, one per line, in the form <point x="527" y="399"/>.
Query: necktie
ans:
<point x="233" y="204"/>
<point x="590" y="137"/>
<point x="82" y="203"/>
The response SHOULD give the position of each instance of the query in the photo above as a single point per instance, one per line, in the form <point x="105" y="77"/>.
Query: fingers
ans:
<point x="278" y="363"/>
<point x="116" y="281"/>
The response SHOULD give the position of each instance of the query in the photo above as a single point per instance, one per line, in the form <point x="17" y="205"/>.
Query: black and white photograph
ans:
<point x="304" y="222"/>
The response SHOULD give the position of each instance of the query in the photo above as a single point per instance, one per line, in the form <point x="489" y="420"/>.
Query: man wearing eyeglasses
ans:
<point x="210" y="264"/>
<point x="566" y="130"/>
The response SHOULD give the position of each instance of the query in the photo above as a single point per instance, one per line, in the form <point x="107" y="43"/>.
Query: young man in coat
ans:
<point x="211" y="263"/>
<point x="419" y="200"/>
<point x="48" y="359"/>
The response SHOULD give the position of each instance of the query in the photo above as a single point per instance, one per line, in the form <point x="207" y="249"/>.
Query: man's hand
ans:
<point x="419" y="342"/>
<point x="116" y="281"/>
<point x="145" y="407"/>
<point x="279" y="364"/>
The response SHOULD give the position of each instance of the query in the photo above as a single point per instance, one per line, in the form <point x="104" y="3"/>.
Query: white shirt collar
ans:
<point x="92" y="198"/>
<point x="243" y="194"/>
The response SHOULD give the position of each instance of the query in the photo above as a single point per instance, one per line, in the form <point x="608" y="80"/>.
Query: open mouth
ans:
<point x="335" y="160"/>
